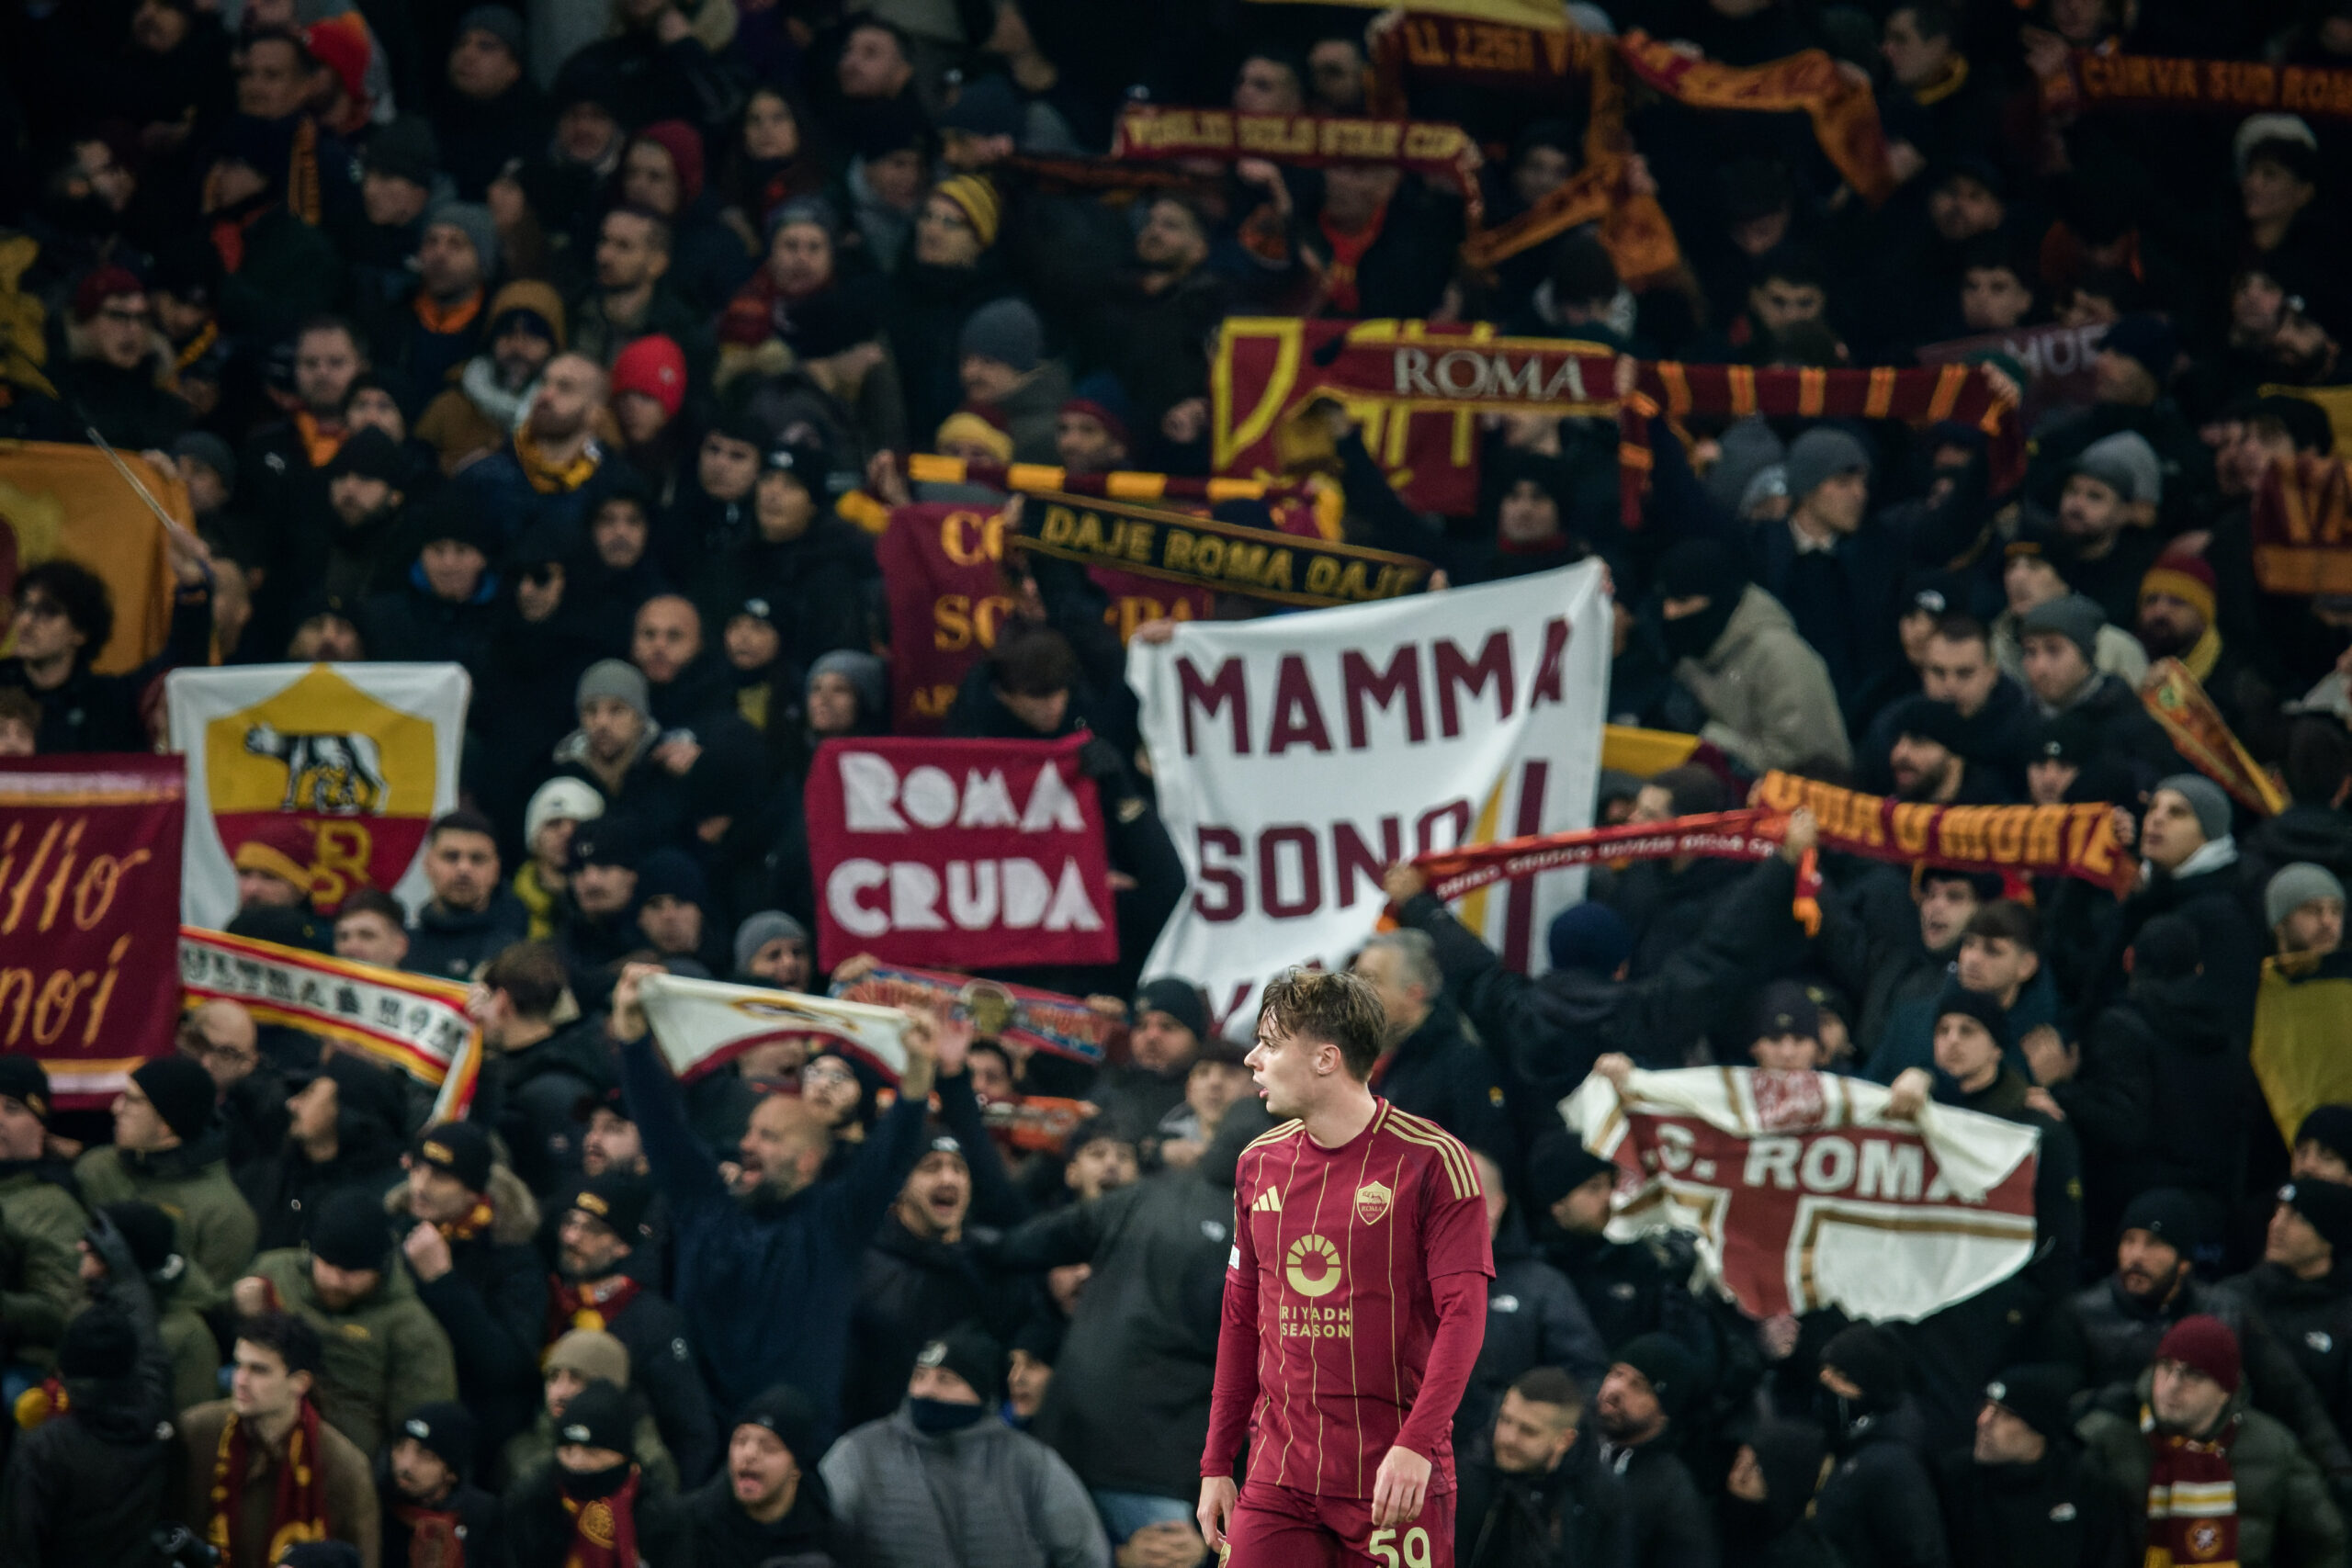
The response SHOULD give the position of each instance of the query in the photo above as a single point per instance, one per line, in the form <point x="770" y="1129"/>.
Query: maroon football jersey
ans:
<point x="1343" y="1244"/>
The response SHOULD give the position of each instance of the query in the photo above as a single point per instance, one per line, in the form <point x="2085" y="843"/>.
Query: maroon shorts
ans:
<point x="1277" y="1527"/>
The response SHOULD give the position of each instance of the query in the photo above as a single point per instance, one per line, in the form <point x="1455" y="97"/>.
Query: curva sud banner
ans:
<point x="1298" y="757"/>
<point x="364" y="755"/>
<point x="974" y="853"/>
<point x="89" y="881"/>
<point x="1801" y="1193"/>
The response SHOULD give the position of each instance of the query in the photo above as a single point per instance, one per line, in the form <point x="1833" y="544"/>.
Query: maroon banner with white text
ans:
<point x="967" y="853"/>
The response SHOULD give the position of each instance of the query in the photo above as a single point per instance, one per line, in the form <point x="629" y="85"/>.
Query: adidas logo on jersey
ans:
<point x="1270" y="1202"/>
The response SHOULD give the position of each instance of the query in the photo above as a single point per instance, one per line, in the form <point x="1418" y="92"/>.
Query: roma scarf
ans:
<point x="432" y="1540"/>
<point x="1222" y="558"/>
<point x="593" y="1305"/>
<point x="556" y="478"/>
<point x="2192" y="1499"/>
<point x="604" y="1529"/>
<point x="475" y="1220"/>
<point x="2091" y="80"/>
<point x="1844" y="115"/>
<point x="2302" y="526"/>
<point x="1928" y="394"/>
<point x="299" y="1510"/>
<point x="1036" y="479"/>
<point x="2177" y="701"/>
<point x="1148" y="132"/>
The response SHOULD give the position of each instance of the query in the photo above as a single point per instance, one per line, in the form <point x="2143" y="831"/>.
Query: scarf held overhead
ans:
<point x="1148" y="132"/>
<point x="1221" y="557"/>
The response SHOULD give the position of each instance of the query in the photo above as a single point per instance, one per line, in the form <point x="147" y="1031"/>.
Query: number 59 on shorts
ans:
<point x="1415" y="1541"/>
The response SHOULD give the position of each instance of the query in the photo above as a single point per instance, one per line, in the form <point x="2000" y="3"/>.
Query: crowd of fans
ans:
<point x="584" y="349"/>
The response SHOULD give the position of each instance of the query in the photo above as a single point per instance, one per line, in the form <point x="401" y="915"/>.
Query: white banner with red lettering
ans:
<point x="363" y="756"/>
<point x="1297" y="756"/>
<point x="1801" y="1193"/>
<point x="974" y="855"/>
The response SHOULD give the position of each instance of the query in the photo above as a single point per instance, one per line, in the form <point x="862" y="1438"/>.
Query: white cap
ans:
<point x="575" y="798"/>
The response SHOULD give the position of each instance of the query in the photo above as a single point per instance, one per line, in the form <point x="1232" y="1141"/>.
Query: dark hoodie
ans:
<point x="287" y="1188"/>
<point x="2057" y="1512"/>
<point x="722" y="1533"/>
<point x="1129" y="1405"/>
<point x="1877" y="1507"/>
<point x="2313" y="1319"/>
<point x="2320" y="834"/>
<point x="1560" y="1024"/>
<point x="816" y="586"/>
<point x="1572" y="1516"/>
<point x="2164" y="1098"/>
<point x="84" y="1488"/>
<point x="1779" y="1532"/>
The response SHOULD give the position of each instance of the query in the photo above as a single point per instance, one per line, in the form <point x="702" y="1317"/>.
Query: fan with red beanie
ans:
<point x="2223" y="1482"/>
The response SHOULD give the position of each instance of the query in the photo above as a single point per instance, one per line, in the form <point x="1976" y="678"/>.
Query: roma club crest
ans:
<point x="1373" y="1202"/>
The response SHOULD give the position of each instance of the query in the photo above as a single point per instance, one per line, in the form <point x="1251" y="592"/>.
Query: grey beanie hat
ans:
<point x="2126" y="464"/>
<point x="866" y="676"/>
<point x="1007" y="330"/>
<point x="1747" y="447"/>
<point x="758" y="930"/>
<point x="209" y="449"/>
<point x="472" y="219"/>
<point x="2076" y="617"/>
<point x="2205" y="798"/>
<point x="2296" y="886"/>
<point x="615" y="678"/>
<point x="500" y="23"/>
<point x="1819" y="456"/>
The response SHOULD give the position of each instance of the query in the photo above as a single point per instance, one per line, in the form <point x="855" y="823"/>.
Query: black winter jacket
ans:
<point x="1878" y="1507"/>
<point x="1570" y="1517"/>
<point x="2058" y="1512"/>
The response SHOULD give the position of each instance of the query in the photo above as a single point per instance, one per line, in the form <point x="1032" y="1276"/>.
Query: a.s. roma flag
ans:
<point x="364" y="755"/>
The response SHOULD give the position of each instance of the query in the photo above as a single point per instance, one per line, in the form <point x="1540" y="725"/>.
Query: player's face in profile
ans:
<point x="1282" y="1067"/>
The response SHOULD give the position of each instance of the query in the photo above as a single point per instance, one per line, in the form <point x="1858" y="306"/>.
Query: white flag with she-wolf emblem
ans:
<point x="700" y="1024"/>
<point x="363" y="756"/>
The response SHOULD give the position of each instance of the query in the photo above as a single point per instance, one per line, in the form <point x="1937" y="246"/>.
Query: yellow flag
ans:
<point x="2303" y="1015"/>
<point x="59" y="500"/>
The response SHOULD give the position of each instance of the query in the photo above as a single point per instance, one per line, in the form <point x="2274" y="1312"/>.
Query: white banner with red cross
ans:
<point x="1801" y="1193"/>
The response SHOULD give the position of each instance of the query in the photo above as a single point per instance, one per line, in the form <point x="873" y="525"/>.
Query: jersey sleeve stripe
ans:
<point x="1458" y="1168"/>
<point x="1287" y="1129"/>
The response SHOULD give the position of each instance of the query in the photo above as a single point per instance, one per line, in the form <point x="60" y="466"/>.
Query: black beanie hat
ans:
<point x="616" y="1200"/>
<point x="1673" y="1375"/>
<point x="786" y="1412"/>
<point x="1559" y="1164"/>
<point x="21" y="1078"/>
<point x="460" y="1148"/>
<point x="1872" y="1360"/>
<point x="1982" y="1005"/>
<point x="2329" y="1126"/>
<point x="971" y="1353"/>
<point x="445" y="1428"/>
<point x="2326" y="1204"/>
<point x="351" y="1231"/>
<point x="598" y="1417"/>
<point x="99" y="1343"/>
<point x="2039" y="1394"/>
<point x="181" y="1091"/>
<point x="1179" y="999"/>
<point x="1701" y="568"/>
<point x="148" y="1230"/>
<point x="2171" y="1215"/>
<point x="2167" y="948"/>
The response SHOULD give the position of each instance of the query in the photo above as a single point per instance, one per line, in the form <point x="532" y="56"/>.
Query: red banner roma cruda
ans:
<point x="89" y="916"/>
